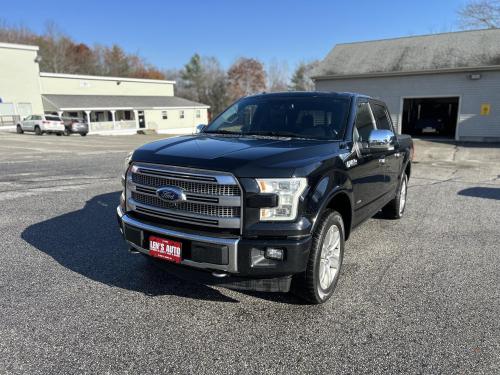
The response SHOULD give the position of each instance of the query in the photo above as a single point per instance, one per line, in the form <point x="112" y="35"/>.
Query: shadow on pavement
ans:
<point x="88" y="242"/>
<point x="481" y="192"/>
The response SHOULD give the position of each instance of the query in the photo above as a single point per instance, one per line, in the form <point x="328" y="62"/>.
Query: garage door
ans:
<point x="430" y="116"/>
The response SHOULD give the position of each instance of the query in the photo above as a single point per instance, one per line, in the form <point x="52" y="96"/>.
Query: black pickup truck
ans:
<point x="265" y="196"/>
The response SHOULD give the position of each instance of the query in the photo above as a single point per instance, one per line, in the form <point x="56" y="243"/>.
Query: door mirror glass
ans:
<point x="200" y="128"/>
<point x="379" y="140"/>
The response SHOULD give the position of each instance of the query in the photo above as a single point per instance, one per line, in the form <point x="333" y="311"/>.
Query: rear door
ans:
<point x="393" y="159"/>
<point x="368" y="176"/>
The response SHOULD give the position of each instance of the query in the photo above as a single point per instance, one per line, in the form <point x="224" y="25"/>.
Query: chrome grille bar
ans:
<point x="212" y="198"/>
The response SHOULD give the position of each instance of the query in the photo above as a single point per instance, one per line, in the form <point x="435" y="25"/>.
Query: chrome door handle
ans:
<point x="381" y="161"/>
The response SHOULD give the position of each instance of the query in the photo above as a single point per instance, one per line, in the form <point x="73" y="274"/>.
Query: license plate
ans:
<point x="165" y="249"/>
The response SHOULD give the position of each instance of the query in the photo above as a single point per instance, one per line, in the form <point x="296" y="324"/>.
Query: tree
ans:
<point x="480" y="14"/>
<point x="301" y="79"/>
<point x="277" y="76"/>
<point x="246" y="76"/>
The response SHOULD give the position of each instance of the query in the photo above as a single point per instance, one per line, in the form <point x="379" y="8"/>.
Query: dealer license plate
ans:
<point x="165" y="249"/>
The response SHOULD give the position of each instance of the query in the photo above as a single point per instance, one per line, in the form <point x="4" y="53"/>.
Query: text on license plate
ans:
<point x="165" y="249"/>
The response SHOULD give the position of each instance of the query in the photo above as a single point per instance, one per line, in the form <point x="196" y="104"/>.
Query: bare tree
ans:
<point x="277" y="76"/>
<point x="301" y="79"/>
<point x="480" y="14"/>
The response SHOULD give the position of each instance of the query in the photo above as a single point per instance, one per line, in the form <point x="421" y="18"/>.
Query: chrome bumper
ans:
<point x="230" y="243"/>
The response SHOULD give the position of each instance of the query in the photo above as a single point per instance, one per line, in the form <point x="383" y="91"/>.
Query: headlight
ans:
<point x="288" y="190"/>
<point x="126" y="164"/>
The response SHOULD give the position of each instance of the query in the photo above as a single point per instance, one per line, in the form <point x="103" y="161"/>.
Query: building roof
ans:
<point x="109" y="102"/>
<point x="425" y="53"/>
<point x="103" y="78"/>
<point x="19" y="46"/>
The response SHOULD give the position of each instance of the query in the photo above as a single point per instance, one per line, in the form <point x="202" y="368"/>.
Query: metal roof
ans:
<point x="110" y="102"/>
<point x="425" y="53"/>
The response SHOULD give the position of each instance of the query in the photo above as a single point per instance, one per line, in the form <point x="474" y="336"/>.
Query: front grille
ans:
<point x="196" y="208"/>
<point x="212" y="198"/>
<point x="188" y="186"/>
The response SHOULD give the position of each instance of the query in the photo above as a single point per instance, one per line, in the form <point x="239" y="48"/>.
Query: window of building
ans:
<point x="381" y="117"/>
<point x="164" y="115"/>
<point x="127" y="115"/>
<point x="364" y="123"/>
<point x="198" y="113"/>
<point x="181" y="114"/>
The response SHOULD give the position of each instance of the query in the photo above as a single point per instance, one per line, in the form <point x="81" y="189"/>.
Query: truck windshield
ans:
<point x="309" y="117"/>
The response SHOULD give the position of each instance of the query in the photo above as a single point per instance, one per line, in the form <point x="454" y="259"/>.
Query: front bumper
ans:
<point x="237" y="256"/>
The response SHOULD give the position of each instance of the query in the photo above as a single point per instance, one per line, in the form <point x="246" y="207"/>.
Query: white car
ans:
<point x="41" y="124"/>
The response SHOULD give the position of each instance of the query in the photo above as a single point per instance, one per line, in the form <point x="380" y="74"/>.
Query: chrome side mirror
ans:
<point x="380" y="140"/>
<point x="200" y="128"/>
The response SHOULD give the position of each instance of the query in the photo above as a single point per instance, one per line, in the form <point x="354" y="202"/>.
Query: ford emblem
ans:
<point x="171" y="194"/>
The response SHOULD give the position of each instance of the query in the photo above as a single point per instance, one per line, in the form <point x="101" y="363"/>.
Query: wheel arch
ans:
<point x="341" y="203"/>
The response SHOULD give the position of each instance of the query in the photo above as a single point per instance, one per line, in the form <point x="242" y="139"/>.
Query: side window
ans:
<point x="364" y="123"/>
<point x="380" y="115"/>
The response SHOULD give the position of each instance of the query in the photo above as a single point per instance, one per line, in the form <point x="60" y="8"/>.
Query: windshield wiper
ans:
<point x="275" y="134"/>
<point x="222" y="131"/>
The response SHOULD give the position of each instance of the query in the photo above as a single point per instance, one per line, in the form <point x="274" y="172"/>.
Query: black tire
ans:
<point x="396" y="208"/>
<point x="19" y="129"/>
<point x="67" y="133"/>
<point x="38" y="131"/>
<point x="58" y="134"/>
<point x="308" y="285"/>
<point x="83" y="134"/>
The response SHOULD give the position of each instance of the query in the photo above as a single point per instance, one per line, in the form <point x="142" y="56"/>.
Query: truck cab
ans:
<point x="267" y="194"/>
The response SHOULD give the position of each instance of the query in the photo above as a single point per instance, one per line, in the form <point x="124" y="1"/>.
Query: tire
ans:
<point x="83" y="134"/>
<point x="38" y="131"/>
<point x="312" y="285"/>
<point x="58" y="134"/>
<point x="66" y="133"/>
<point x="396" y="208"/>
<point x="19" y="129"/>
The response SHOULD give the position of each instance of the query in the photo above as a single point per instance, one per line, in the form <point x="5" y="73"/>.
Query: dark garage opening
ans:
<point x="430" y="116"/>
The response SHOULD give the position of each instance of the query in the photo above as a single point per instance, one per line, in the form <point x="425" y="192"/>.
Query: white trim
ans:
<point x="402" y="100"/>
<point x="19" y="46"/>
<point x="103" y="78"/>
<point x="125" y="108"/>
<point x="185" y="107"/>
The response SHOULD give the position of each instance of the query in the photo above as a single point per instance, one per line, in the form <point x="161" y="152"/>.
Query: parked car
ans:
<point x="41" y="124"/>
<point x="75" y="125"/>
<point x="266" y="195"/>
<point x="430" y="125"/>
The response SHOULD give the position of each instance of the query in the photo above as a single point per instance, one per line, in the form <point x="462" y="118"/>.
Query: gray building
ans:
<point x="449" y="81"/>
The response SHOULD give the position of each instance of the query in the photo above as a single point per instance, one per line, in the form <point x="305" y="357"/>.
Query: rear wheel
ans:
<point x="66" y="132"/>
<point x="396" y="208"/>
<point x="58" y="134"/>
<point x="19" y="129"/>
<point x="38" y="131"/>
<point x="83" y="134"/>
<point x="317" y="283"/>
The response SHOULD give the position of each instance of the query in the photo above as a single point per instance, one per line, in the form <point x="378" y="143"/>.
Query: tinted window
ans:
<point x="52" y="118"/>
<point x="381" y="118"/>
<point x="288" y="116"/>
<point x="364" y="123"/>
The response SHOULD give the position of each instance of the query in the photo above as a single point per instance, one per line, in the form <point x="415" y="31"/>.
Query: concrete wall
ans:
<point x="19" y="83"/>
<point x="65" y="84"/>
<point x="174" y="124"/>
<point x="472" y="93"/>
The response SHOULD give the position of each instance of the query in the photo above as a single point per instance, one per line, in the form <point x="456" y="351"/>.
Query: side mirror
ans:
<point x="379" y="140"/>
<point x="200" y="128"/>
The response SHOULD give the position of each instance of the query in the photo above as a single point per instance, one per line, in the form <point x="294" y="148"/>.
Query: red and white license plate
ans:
<point x="165" y="249"/>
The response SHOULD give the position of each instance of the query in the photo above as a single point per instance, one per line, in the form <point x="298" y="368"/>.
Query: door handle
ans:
<point x="381" y="161"/>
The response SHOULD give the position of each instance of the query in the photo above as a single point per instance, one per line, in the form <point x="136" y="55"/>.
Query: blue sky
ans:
<point x="167" y="33"/>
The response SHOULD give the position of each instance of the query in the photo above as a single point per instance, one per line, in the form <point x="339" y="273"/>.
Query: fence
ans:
<point x="9" y="120"/>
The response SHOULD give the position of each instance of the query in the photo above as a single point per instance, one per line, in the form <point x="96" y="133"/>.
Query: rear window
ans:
<point x="52" y="118"/>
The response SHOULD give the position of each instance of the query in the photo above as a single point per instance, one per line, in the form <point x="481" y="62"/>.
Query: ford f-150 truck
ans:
<point x="265" y="196"/>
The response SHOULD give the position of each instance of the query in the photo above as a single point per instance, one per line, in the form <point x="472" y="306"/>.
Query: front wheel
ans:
<point x="396" y="208"/>
<point x="83" y="134"/>
<point x="317" y="283"/>
<point x="19" y="129"/>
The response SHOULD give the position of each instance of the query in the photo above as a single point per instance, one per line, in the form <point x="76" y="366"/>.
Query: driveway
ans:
<point x="418" y="295"/>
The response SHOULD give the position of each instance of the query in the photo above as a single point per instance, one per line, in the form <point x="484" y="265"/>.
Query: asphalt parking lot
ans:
<point x="419" y="295"/>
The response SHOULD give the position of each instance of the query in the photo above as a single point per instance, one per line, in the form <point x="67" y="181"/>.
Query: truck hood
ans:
<point x="241" y="156"/>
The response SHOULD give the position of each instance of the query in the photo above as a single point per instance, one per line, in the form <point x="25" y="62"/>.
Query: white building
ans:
<point x="451" y="78"/>
<point x="111" y="104"/>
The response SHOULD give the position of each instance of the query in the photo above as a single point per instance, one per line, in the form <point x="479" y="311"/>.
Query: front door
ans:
<point x="368" y="176"/>
<point x="142" y="119"/>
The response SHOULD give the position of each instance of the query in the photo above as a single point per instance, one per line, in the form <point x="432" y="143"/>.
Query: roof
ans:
<point x="425" y="53"/>
<point x="103" y="78"/>
<point x="110" y="102"/>
<point x="19" y="46"/>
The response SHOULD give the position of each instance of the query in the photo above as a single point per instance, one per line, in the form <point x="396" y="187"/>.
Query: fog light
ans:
<point x="274" y="253"/>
